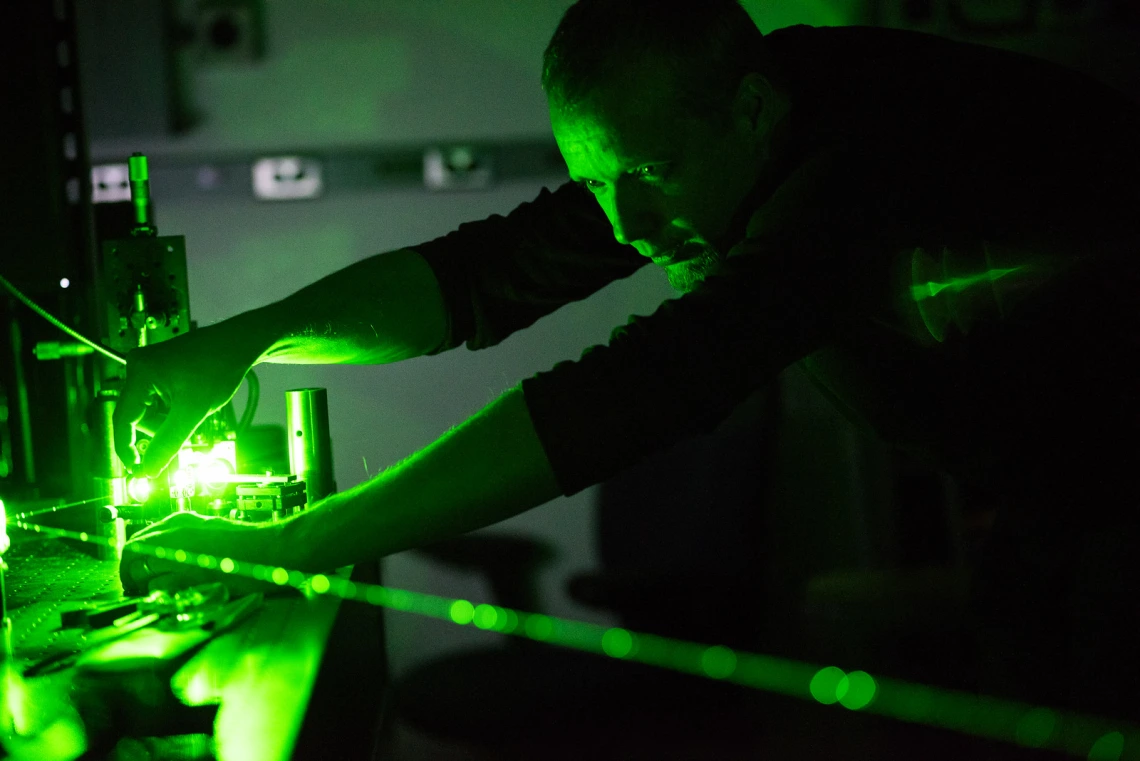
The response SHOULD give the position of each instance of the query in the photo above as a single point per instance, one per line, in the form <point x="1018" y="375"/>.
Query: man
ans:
<point x="943" y="235"/>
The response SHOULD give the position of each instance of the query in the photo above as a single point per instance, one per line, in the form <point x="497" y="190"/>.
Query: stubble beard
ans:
<point x="687" y="275"/>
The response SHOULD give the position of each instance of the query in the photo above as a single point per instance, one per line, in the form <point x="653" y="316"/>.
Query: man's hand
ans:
<point x="141" y="572"/>
<point x="190" y="378"/>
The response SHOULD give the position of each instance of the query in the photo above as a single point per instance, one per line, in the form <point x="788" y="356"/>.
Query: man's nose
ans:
<point x="631" y="217"/>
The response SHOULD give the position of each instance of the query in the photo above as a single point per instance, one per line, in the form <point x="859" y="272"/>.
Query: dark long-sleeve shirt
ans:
<point x="948" y="247"/>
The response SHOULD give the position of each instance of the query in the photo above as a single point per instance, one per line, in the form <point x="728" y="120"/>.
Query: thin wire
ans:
<point x="109" y="353"/>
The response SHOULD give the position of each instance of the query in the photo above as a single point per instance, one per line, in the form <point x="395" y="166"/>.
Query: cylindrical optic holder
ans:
<point x="110" y="478"/>
<point x="310" y="448"/>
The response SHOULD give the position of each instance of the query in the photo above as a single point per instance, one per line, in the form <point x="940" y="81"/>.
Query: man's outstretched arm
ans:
<point x="381" y="309"/>
<point x="485" y="470"/>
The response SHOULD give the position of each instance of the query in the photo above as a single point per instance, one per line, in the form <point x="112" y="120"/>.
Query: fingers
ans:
<point x="132" y="405"/>
<point x="179" y="520"/>
<point x="179" y="425"/>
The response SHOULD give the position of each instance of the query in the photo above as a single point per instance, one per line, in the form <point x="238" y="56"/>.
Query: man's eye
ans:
<point x="591" y="185"/>
<point x="651" y="172"/>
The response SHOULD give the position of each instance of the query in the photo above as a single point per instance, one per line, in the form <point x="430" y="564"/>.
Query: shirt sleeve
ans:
<point x="681" y="371"/>
<point x="503" y="273"/>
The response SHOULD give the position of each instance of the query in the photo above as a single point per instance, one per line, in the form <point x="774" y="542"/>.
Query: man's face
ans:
<point x="668" y="182"/>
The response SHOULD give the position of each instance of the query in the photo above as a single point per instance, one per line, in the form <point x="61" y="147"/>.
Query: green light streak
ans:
<point x="929" y="290"/>
<point x="824" y="686"/>
<point x="1077" y="735"/>
<point x="617" y="643"/>
<point x="461" y="611"/>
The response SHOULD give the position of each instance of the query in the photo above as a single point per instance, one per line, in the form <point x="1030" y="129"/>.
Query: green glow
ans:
<point x="539" y="627"/>
<point x="319" y="584"/>
<point x="1036" y="727"/>
<point x="401" y="600"/>
<point x="462" y="612"/>
<point x="617" y="643"/>
<point x="182" y="481"/>
<point x="180" y="556"/>
<point x="977" y="715"/>
<point x="508" y="620"/>
<point x="855" y="690"/>
<point x="199" y="689"/>
<point x="485" y="616"/>
<point x="825" y="683"/>
<point x="929" y="290"/>
<point x="718" y="662"/>
<point x="139" y="489"/>
<point x="205" y="561"/>
<point x="5" y="542"/>
<point x="1108" y="748"/>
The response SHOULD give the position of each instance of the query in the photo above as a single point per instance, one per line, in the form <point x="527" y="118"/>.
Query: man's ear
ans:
<point x="759" y="102"/>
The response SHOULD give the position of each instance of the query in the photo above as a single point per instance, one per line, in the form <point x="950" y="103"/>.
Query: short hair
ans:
<point x="708" y="46"/>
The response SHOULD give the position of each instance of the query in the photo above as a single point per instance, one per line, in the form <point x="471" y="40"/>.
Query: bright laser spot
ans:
<point x="1108" y="748"/>
<point x="462" y="612"/>
<point x="485" y="616"/>
<point x="182" y="481"/>
<point x="718" y="662"/>
<point x="139" y="489"/>
<point x="180" y="556"/>
<point x="214" y="472"/>
<point x="319" y="584"/>
<point x="227" y="565"/>
<point x="617" y="643"/>
<point x="64" y="282"/>
<point x="855" y="690"/>
<point x="825" y="684"/>
<point x="280" y="577"/>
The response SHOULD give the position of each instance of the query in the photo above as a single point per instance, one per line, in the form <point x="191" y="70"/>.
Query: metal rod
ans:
<point x="310" y="447"/>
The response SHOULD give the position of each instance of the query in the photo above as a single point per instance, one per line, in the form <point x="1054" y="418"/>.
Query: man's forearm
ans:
<point x="486" y="470"/>
<point x="381" y="309"/>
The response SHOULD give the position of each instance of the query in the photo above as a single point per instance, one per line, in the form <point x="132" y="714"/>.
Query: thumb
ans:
<point x="168" y="439"/>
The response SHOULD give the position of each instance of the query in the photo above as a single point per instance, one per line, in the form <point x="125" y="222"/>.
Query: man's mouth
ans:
<point x="677" y="254"/>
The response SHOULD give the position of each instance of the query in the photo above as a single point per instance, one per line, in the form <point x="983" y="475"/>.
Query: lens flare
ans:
<point x="139" y="489"/>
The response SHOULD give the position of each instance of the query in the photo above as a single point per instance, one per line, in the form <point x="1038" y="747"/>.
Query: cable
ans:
<point x="253" y="389"/>
<point x="109" y="353"/>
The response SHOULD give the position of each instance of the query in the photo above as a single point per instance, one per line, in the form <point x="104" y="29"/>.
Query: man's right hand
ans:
<point x="186" y="379"/>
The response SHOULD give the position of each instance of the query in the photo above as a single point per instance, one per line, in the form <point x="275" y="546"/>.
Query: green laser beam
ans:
<point x="1015" y="722"/>
<point x="923" y="291"/>
<point x="56" y="508"/>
